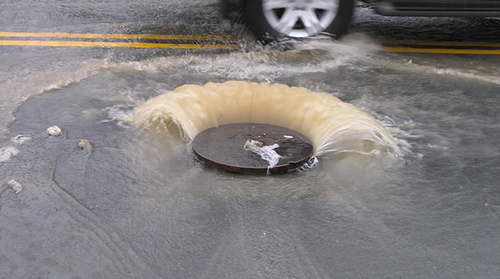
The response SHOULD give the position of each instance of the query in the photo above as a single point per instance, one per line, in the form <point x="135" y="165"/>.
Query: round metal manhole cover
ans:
<point x="252" y="148"/>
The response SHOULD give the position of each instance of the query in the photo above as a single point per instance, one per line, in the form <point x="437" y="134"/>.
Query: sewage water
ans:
<point x="333" y="126"/>
<point x="135" y="204"/>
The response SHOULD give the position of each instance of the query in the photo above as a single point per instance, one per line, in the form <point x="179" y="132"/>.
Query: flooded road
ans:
<point x="133" y="204"/>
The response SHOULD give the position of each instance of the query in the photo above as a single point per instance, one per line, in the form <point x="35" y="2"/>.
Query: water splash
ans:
<point x="266" y="152"/>
<point x="332" y="126"/>
<point x="7" y="152"/>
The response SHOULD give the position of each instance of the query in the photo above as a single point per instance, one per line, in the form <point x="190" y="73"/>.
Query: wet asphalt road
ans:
<point x="201" y="17"/>
<point x="123" y="210"/>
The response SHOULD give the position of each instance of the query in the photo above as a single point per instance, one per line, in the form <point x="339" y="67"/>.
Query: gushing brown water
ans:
<point x="332" y="125"/>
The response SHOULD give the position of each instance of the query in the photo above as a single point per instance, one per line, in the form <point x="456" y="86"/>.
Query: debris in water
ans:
<point x="253" y="145"/>
<point x="16" y="186"/>
<point x="266" y="152"/>
<point x="54" y="131"/>
<point x="20" y="139"/>
<point x="83" y="143"/>
<point x="7" y="152"/>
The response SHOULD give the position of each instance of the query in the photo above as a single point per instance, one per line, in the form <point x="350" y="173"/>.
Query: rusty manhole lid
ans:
<point x="239" y="148"/>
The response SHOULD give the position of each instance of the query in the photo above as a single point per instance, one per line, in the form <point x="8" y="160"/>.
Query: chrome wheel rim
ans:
<point x="300" y="18"/>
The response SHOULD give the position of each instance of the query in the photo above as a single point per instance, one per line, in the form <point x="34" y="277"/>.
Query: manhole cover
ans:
<point x="252" y="148"/>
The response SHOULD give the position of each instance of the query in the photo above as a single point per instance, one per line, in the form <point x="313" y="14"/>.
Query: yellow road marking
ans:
<point x="451" y="44"/>
<point x="122" y="36"/>
<point x="111" y="44"/>
<point x="442" y="50"/>
<point x="221" y="38"/>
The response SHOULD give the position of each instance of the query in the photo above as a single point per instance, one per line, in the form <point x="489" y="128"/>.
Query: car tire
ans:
<point x="274" y="19"/>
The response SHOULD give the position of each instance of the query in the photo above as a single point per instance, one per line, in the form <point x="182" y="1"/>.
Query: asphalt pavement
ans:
<point x="104" y="199"/>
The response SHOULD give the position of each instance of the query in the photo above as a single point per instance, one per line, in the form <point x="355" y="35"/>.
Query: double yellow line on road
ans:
<point x="102" y="40"/>
<point x="442" y="47"/>
<point x="221" y="42"/>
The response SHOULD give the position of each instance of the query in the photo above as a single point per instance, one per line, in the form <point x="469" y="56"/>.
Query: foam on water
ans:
<point x="332" y="126"/>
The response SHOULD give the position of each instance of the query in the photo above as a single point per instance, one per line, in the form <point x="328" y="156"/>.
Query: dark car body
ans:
<point x="482" y="8"/>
